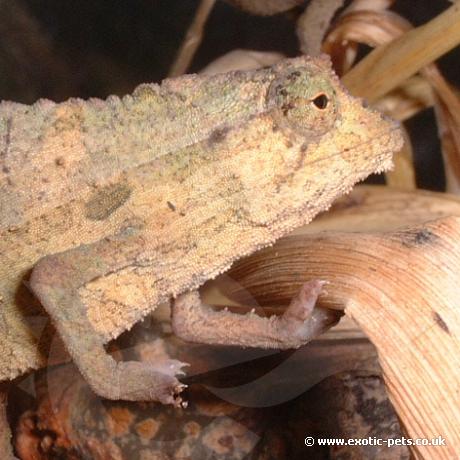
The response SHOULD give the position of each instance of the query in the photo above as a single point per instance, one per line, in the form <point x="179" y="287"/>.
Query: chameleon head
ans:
<point x="319" y="141"/>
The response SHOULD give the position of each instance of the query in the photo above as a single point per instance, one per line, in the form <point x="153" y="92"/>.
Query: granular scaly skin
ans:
<point x="126" y="203"/>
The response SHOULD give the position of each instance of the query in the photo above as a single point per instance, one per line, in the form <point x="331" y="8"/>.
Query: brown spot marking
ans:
<point x="218" y="135"/>
<point x="106" y="201"/>
<point x="171" y="206"/>
<point x="440" y="322"/>
<point x="417" y="238"/>
<point x="59" y="161"/>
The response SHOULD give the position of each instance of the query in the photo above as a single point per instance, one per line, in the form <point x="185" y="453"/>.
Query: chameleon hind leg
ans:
<point x="57" y="279"/>
<point x="301" y="322"/>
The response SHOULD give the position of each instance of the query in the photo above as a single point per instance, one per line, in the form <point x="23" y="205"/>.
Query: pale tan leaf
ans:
<point x="266" y="7"/>
<point x="372" y="28"/>
<point x="313" y="24"/>
<point x="368" y="5"/>
<point x="242" y="60"/>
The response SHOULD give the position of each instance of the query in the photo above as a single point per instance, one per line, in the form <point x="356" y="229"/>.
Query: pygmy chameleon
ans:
<point x="109" y="208"/>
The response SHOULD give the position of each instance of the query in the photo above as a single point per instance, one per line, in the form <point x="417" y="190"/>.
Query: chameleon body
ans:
<point x="109" y="208"/>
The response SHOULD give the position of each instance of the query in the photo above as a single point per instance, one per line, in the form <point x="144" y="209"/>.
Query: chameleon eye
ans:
<point x="303" y="100"/>
<point x="321" y="101"/>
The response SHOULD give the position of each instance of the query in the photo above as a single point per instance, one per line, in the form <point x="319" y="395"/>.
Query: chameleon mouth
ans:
<point x="395" y="143"/>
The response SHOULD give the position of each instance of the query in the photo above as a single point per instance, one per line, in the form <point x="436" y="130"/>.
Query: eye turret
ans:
<point x="304" y="102"/>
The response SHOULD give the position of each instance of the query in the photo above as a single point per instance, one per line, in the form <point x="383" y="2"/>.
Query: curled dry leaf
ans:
<point x="266" y="7"/>
<point x="242" y="60"/>
<point x="406" y="280"/>
<point x="316" y="20"/>
<point x="402" y="288"/>
<point x="372" y="28"/>
<point x="369" y="5"/>
<point x="313" y="24"/>
<point x="365" y="209"/>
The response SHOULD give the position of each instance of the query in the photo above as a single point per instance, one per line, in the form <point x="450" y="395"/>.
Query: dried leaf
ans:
<point x="266" y="7"/>
<point x="372" y="28"/>
<point x="313" y="24"/>
<point x="242" y="60"/>
<point x="369" y="5"/>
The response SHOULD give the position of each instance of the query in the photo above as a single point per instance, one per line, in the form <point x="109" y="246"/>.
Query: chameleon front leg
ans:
<point x="301" y="322"/>
<point x="56" y="280"/>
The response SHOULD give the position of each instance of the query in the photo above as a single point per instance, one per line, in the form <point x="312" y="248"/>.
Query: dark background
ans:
<point x="62" y="48"/>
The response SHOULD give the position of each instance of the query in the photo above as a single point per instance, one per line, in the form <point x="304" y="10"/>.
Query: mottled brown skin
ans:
<point x="126" y="203"/>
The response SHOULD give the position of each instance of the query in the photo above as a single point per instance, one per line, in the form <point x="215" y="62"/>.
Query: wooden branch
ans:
<point x="402" y="288"/>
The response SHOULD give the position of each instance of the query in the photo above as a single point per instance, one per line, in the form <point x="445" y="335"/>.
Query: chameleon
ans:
<point x="109" y="208"/>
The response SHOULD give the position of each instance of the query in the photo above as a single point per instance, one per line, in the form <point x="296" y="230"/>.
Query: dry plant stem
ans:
<point x="402" y="288"/>
<point x="192" y="39"/>
<point x="388" y="66"/>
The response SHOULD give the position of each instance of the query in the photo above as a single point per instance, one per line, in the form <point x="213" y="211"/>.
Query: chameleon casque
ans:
<point x="109" y="208"/>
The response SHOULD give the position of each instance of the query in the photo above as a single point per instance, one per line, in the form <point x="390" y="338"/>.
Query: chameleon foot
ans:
<point x="301" y="322"/>
<point x="136" y="381"/>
